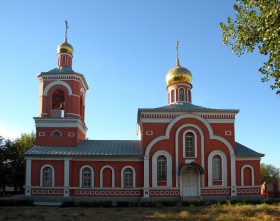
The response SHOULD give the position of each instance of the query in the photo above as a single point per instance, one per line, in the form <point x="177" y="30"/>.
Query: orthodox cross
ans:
<point x="66" y="28"/>
<point x="177" y="49"/>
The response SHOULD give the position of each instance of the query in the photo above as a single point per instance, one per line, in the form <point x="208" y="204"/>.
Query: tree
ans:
<point x="269" y="173"/>
<point x="256" y="25"/>
<point x="12" y="160"/>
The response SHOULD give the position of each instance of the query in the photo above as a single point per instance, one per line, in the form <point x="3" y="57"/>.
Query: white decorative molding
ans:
<point x="228" y="133"/>
<point x="42" y="175"/>
<point x="60" y="122"/>
<point x="205" y="122"/>
<point x="28" y="178"/>
<point x="52" y="133"/>
<point x="101" y="175"/>
<point x="81" y="176"/>
<point x="133" y="176"/>
<point x="146" y="177"/>
<point x="184" y="143"/>
<point x="65" y="77"/>
<point x="177" y="149"/>
<point x="169" y="167"/>
<point x="66" y="178"/>
<point x="41" y="134"/>
<point x="223" y="167"/>
<point x="58" y="82"/>
<point x="233" y="175"/>
<point x="87" y="158"/>
<point x="221" y="121"/>
<point x="247" y="158"/>
<point x="78" y="115"/>
<point x="156" y="120"/>
<point x="71" y="134"/>
<point x="252" y="174"/>
<point x="149" y="132"/>
<point x="211" y="135"/>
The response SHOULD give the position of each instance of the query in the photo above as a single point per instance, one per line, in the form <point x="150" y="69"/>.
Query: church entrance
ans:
<point x="190" y="184"/>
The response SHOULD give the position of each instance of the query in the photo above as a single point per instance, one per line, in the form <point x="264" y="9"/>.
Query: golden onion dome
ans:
<point x="65" y="47"/>
<point x="178" y="74"/>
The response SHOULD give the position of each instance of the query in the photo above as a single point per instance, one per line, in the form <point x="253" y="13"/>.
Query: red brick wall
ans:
<point x="58" y="166"/>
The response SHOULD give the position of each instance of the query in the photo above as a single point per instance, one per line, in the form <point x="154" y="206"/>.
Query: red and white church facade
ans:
<point x="184" y="150"/>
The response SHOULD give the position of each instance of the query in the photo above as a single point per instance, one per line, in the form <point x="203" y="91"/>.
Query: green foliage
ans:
<point x="256" y="26"/>
<point x="269" y="173"/>
<point x="12" y="160"/>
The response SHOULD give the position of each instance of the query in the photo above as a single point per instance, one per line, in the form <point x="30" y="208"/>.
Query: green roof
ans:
<point x="185" y="106"/>
<point x="242" y="151"/>
<point x="91" y="148"/>
<point x="61" y="70"/>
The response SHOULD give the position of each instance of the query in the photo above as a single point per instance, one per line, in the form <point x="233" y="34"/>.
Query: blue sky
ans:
<point x="124" y="49"/>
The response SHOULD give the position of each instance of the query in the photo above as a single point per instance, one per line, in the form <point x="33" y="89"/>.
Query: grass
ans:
<point x="217" y="211"/>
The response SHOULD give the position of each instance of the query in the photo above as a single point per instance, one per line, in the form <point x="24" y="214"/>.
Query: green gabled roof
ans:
<point x="185" y="106"/>
<point x="61" y="70"/>
<point x="242" y="151"/>
<point x="90" y="148"/>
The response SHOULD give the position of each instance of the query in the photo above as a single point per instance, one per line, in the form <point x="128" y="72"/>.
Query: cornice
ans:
<point x="60" y="122"/>
<point x="63" y="76"/>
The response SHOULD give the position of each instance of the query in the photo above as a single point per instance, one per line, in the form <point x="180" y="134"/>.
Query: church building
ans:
<point x="184" y="150"/>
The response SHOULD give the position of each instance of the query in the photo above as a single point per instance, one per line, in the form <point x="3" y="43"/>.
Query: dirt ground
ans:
<point x="217" y="212"/>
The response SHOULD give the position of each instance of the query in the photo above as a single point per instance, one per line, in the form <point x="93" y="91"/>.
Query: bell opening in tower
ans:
<point x="58" y="103"/>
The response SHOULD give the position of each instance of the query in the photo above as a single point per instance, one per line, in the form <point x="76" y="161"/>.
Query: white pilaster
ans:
<point x="28" y="178"/>
<point x="233" y="176"/>
<point x="146" y="177"/>
<point x="66" y="178"/>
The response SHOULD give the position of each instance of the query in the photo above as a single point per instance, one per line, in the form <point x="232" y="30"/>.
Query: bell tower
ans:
<point x="61" y="117"/>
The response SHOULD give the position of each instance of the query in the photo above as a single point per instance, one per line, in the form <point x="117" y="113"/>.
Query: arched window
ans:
<point x="172" y="96"/>
<point x="86" y="177"/>
<point x="181" y="94"/>
<point x="189" y="145"/>
<point x="47" y="177"/>
<point x="216" y="168"/>
<point x="128" y="178"/>
<point x="189" y="96"/>
<point x="56" y="133"/>
<point x="161" y="169"/>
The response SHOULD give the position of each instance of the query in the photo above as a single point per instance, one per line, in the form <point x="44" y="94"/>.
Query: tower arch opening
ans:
<point x="58" y="103"/>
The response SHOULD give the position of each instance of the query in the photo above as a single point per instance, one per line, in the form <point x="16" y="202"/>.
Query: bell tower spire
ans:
<point x="65" y="51"/>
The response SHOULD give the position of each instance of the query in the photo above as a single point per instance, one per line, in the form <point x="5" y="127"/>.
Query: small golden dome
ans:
<point x="178" y="74"/>
<point x="65" y="47"/>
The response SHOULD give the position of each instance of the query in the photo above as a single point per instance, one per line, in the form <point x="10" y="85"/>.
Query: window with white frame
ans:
<point x="216" y="168"/>
<point x="189" y="145"/>
<point x="161" y="168"/>
<point x="86" y="177"/>
<point x="56" y="133"/>
<point x="128" y="178"/>
<point x="47" y="177"/>
<point x="181" y="94"/>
